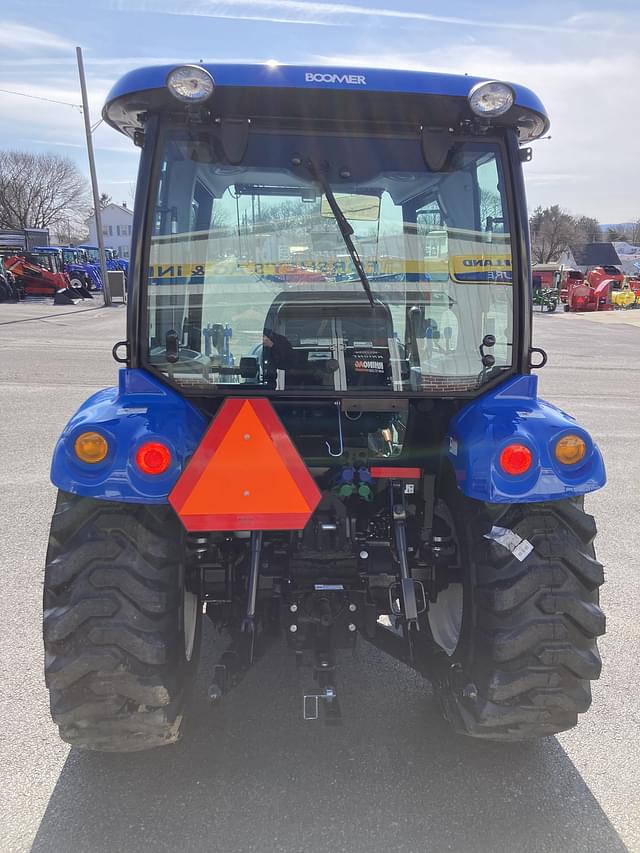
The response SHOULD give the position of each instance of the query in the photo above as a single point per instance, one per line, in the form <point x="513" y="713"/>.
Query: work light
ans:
<point x="491" y="99"/>
<point x="190" y="84"/>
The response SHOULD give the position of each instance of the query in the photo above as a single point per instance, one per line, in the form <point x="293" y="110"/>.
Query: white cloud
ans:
<point x="319" y="13"/>
<point x="589" y="164"/>
<point x="19" y="38"/>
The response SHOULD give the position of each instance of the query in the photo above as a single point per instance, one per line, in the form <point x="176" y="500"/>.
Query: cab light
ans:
<point x="91" y="447"/>
<point x="491" y="98"/>
<point x="571" y="449"/>
<point x="516" y="459"/>
<point x="153" y="457"/>
<point x="190" y="84"/>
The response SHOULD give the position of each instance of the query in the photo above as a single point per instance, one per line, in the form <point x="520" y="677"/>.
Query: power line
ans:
<point x="40" y="98"/>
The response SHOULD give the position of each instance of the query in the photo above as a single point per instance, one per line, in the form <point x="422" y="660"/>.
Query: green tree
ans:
<point x="615" y="234"/>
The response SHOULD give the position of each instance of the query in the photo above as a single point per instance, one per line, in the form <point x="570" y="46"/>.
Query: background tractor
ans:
<point x="77" y="266"/>
<point x="9" y="291"/>
<point x="40" y="273"/>
<point x="546" y="297"/>
<point x="326" y="427"/>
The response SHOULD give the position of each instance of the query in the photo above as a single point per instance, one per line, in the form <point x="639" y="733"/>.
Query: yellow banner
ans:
<point x="461" y="268"/>
<point x="480" y="268"/>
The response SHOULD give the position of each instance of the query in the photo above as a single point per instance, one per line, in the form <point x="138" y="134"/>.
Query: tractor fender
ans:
<point x="511" y="413"/>
<point x="139" y="409"/>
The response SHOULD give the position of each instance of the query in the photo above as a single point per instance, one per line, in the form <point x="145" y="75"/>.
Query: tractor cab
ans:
<point x="326" y="427"/>
<point x="92" y="253"/>
<point x="46" y="257"/>
<point x="72" y="255"/>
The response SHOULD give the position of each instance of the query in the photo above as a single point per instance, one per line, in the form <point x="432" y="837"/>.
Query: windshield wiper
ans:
<point x="343" y="224"/>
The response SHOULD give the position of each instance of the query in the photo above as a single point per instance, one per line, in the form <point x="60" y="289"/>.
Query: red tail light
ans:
<point x="153" y="457"/>
<point x="516" y="459"/>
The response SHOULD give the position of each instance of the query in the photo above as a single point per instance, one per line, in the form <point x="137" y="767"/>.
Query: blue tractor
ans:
<point x="76" y="264"/>
<point x="113" y="262"/>
<point x="118" y="262"/>
<point x="91" y="259"/>
<point x="326" y="427"/>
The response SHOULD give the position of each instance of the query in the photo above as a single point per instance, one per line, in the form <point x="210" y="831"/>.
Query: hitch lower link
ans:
<point x="407" y="598"/>
<point x="241" y="653"/>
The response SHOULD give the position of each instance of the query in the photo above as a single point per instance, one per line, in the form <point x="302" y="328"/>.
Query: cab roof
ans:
<point x="140" y="90"/>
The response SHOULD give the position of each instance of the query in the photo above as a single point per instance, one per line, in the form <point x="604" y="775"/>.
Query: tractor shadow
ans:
<point x="253" y="776"/>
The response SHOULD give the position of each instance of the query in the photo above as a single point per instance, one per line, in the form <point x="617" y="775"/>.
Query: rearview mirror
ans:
<point x="355" y="207"/>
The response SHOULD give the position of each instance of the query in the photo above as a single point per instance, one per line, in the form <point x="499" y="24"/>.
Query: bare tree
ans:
<point x="69" y="233"/>
<point x="553" y="231"/>
<point x="589" y="229"/>
<point x="40" y="190"/>
<point x="490" y="207"/>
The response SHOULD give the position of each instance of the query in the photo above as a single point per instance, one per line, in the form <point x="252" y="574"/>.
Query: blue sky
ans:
<point x="583" y="61"/>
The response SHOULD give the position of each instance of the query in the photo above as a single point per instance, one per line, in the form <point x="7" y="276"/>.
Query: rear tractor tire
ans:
<point x="121" y="632"/>
<point x="519" y="636"/>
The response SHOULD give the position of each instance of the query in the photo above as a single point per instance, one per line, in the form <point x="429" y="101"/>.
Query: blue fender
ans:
<point x="139" y="409"/>
<point x="513" y="413"/>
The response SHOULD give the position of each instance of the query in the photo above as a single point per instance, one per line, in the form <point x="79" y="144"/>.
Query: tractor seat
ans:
<point x="334" y="341"/>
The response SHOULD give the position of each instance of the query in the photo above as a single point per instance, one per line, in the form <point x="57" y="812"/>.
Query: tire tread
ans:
<point x="114" y="652"/>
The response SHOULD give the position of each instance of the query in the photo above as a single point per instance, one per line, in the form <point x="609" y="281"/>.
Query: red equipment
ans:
<point x="583" y="297"/>
<point x="570" y="278"/>
<point x="36" y="279"/>
<point x="609" y="273"/>
<point x="40" y="275"/>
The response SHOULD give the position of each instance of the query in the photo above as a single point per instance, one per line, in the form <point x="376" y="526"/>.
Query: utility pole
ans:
<point x="106" y="292"/>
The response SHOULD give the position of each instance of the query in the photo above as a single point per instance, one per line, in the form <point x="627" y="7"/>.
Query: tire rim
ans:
<point x="445" y="617"/>
<point x="190" y="619"/>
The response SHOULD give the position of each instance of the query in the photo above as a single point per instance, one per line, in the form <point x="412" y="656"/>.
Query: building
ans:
<point x="116" y="228"/>
<point x="629" y="257"/>
<point x="23" y="238"/>
<point x="591" y="255"/>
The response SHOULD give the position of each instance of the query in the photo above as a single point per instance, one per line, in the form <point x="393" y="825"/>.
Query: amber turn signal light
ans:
<point x="91" y="447"/>
<point x="153" y="457"/>
<point x="571" y="449"/>
<point x="516" y="459"/>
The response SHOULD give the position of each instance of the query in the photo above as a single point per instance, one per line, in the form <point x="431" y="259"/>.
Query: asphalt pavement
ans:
<point x="252" y="775"/>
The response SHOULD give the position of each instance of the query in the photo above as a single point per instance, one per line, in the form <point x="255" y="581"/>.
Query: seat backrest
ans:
<point x="338" y="343"/>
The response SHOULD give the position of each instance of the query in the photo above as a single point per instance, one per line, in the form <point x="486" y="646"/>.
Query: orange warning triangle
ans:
<point x="245" y="475"/>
